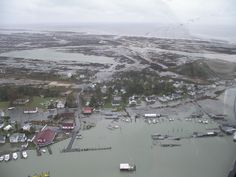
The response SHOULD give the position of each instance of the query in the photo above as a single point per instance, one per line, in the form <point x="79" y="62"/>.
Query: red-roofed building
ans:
<point x="87" y="110"/>
<point x="67" y="126"/>
<point x="45" y="137"/>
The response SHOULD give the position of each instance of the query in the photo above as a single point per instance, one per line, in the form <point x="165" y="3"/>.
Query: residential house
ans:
<point x="18" y="138"/>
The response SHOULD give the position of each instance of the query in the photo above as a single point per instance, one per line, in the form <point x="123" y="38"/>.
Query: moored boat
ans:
<point x="234" y="136"/>
<point x="24" y="154"/>
<point x="7" y="157"/>
<point x="1" y="158"/>
<point x="14" y="155"/>
<point x="44" y="174"/>
<point x="127" y="167"/>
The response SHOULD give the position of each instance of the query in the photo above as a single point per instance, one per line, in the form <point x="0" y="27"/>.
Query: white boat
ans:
<point x="7" y="157"/>
<point x="14" y="155"/>
<point x="1" y="158"/>
<point x="116" y="126"/>
<point x="11" y="108"/>
<point x="127" y="167"/>
<point x="43" y="150"/>
<point x="24" y="154"/>
<point x="234" y="136"/>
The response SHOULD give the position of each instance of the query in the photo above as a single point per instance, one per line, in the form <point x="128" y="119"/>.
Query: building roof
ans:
<point x="87" y="110"/>
<point x="44" y="137"/>
<point x="67" y="114"/>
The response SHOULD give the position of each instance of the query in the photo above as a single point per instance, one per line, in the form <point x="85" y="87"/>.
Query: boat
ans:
<point x="169" y="145"/>
<point x="24" y="154"/>
<point x="14" y="155"/>
<point x="127" y="167"/>
<point x="159" y="136"/>
<point x="11" y="108"/>
<point x="45" y="174"/>
<point x="1" y="158"/>
<point x="174" y="138"/>
<point x="234" y="136"/>
<point x="7" y="157"/>
<point x="43" y="150"/>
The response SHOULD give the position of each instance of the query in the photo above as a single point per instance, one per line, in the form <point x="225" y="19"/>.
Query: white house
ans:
<point x="60" y="105"/>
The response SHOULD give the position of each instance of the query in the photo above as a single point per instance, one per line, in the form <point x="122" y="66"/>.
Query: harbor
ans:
<point x="127" y="151"/>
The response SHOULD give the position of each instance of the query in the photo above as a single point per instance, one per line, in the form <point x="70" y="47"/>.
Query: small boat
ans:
<point x="234" y="137"/>
<point x="43" y="150"/>
<point x="158" y="137"/>
<point x="7" y="157"/>
<point x="46" y="174"/>
<point x="1" y="158"/>
<point x="24" y="154"/>
<point x="174" y="138"/>
<point x="154" y="121"/>
<point x="11" y="108"/>
<point x="127" y="167"/>
<point x="169" y="145"/>
<point x="14" y="155"/>
<point x="116" y="126"/>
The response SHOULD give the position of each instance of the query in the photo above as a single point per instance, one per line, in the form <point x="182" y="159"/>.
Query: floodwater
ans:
<point x="205" y="157"/>
<point x="53" y="54"/>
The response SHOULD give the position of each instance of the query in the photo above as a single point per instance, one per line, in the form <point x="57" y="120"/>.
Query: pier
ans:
<point x="38" y="151"/>
<point x="49" y="150"/>
<point x="86" y="149"/>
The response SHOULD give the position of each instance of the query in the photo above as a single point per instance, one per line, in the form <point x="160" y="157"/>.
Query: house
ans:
<point x="21" y="101"/>
<point x="68" y="126"/>
<point x="132" y="102"/>
<point x="31" y="111"/>
<point x="18" y="138"/>
<point x="7" y="128"/>
<point x="87" y="110"/>
<point x="150" y="99"/>
<point x="2" y="139"/>
<point x="116" y="101"/>
<point x="1" y="125"/>
<point x="45" y="137"/>
<point x="60" y="105"/>
<point x="26" y="127"/>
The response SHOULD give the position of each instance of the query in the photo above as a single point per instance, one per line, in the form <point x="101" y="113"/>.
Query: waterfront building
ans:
<point x="44" y="137"/>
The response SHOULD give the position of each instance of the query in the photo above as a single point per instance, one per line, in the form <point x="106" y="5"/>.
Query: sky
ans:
<point x="117" y="11"/>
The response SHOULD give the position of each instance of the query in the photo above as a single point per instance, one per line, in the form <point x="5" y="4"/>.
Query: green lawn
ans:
<point x="39" y="102"/>
<point x="4" y="104"/>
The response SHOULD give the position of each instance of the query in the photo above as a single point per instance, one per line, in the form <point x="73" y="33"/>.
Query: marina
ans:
<point x="125" y="149"/>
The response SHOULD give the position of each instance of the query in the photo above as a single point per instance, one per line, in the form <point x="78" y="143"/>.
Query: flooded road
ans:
<point x="211" y="157"/>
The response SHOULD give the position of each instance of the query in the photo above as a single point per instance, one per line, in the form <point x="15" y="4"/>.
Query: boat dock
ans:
<point x="38" y="151"/>
<point x="49" y="150"/>
<point x="86" y="149"/>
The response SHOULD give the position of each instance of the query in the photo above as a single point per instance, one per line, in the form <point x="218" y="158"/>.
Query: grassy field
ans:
<point x="39" y="102"/>
<point x="4" y="104"/>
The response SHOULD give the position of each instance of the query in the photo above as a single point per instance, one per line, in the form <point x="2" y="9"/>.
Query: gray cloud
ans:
<point x="75" y="11"/>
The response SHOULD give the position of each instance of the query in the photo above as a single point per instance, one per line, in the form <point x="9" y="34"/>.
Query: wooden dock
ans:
<point x="49" y="150"/>
<point x="85" y="149"/>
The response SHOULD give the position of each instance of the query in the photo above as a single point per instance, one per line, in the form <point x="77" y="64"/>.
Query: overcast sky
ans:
<point x="135" y="11"/>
